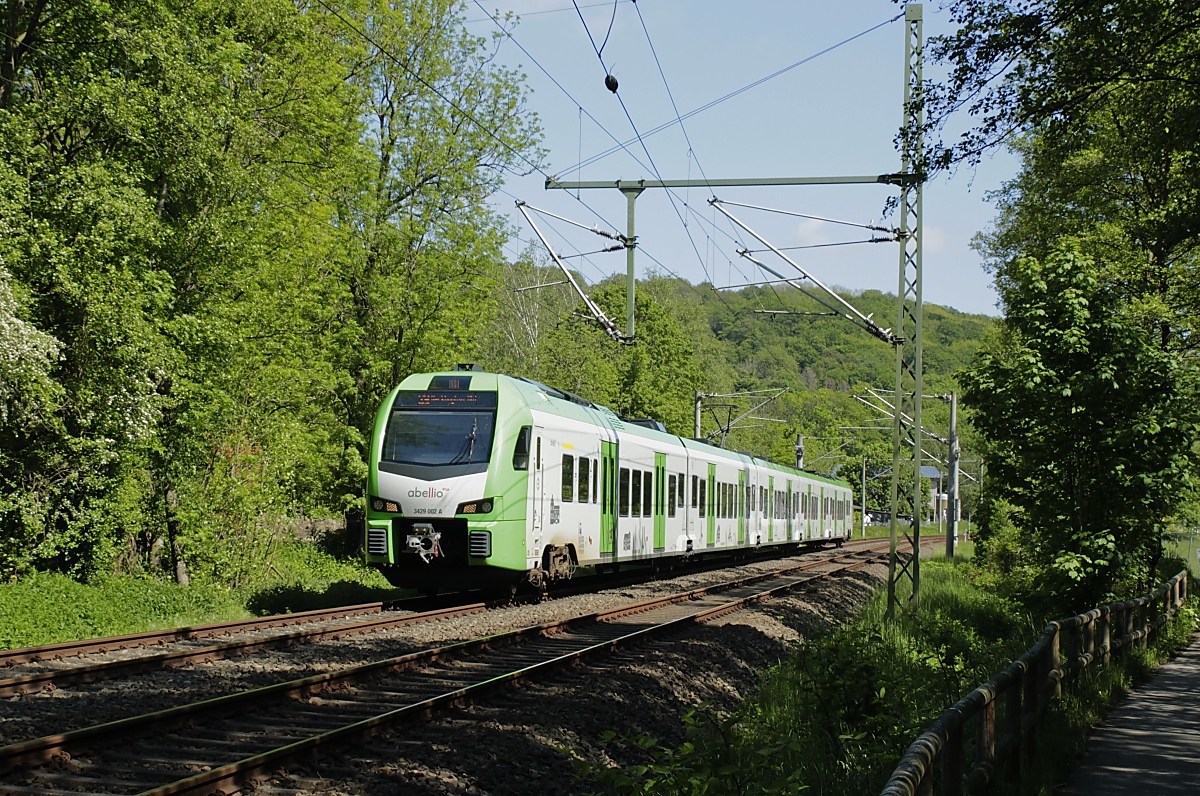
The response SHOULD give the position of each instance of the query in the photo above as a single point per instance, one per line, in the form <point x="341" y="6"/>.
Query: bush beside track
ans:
<point x="50" y="608"/>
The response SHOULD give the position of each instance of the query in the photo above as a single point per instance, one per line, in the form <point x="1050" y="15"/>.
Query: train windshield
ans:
<point x="433" y="438"/>
<point x="439" y="429"/>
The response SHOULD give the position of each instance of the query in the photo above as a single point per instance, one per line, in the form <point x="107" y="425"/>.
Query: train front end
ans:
<point x="447" y="495"/>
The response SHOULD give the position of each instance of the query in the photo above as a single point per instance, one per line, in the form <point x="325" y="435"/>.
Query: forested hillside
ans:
<point x="228" y="229"/>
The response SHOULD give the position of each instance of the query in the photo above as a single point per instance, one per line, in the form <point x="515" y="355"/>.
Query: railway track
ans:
<point x="218" y="743"/>
<point x="36" y="669"/>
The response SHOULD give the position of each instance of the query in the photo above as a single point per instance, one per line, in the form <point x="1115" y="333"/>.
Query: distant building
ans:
<point x="939" y="501"/>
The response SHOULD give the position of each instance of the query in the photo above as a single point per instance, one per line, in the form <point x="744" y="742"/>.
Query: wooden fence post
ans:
<point x="1089" y="640"/>
<point x="1029" y="682"/>
<point x="1104" y="641"/>
<point x="1144" y="623"/>
<point x="925" y="786"/>
<point x="952" y="763"/>
<point x="985" y="738"/>
<point x="1055" y="662"/>
<point x="1012" y="731"/>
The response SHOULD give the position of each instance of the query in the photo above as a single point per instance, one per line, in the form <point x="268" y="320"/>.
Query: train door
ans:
<point x="537" y="493"/>
<point x="823" y="504"/>
<point x="789" y="509"/>
<point x="608" y="498"/>
<point x="660" y="502"/>
<point x="743" y="505"/>
<point x="771" y="509"/>
<point x="708" y="502"/>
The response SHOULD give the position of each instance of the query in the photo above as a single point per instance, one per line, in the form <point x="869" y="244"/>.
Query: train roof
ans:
<point x="567" y="404"/>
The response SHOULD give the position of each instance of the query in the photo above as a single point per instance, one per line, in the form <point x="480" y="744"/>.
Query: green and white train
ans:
<point x="480" y="480"/>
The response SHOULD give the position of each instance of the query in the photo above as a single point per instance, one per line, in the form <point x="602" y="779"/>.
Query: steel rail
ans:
<point x="41" y="750"/>
<point x="32" y="683"/>
<point x="69" y="649"/>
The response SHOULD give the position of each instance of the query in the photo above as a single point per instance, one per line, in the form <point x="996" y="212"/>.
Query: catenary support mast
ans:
<point x="906" y="428"/>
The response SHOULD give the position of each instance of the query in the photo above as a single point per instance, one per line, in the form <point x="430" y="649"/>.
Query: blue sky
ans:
<point x="836" y="115"/>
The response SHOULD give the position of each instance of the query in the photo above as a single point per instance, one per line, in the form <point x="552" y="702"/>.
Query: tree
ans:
<point x="1018" y="65"/>
<point x="1090" y="426"/>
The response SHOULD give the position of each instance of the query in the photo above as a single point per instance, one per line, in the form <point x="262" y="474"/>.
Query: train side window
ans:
<point x="695" y="492"/>
<point x="585" y="480"/>
<point x="595" y="478"/>
<point x="701" y="498"/>
<point x="521" y="451"/>
<point x="648" y="492"/>
<point x="727" y="492"/>
<point x="682" y="488"/>
<point x="568" y="478"/>
<point x="624" y="492"/>
<point x="637" y="493"/>
<point x="539" y="453"/>
<point x="672" y="482"/>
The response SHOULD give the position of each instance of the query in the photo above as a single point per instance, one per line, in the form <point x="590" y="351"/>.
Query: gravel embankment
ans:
<point x="514" y="743"/>
<point x="72" y="707"/>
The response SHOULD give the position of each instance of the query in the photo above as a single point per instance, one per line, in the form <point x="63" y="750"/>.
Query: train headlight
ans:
<point x="483" y="506"/>
<point x="390" y="506"/>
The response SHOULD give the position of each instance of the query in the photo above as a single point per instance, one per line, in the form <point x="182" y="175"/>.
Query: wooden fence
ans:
<point x="1008" y="708"/>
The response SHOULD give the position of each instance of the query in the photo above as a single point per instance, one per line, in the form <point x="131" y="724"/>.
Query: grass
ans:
<point x="50" y="608"/>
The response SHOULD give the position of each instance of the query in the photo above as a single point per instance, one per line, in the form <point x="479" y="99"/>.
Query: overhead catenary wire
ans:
<point x="692" y="154"/>
<point x="713" y="103"/>
<point x="620" y="146"/>
<point x="872" y="227"/>
<point x="478" y="124"/>
<point x="612" y="86"/>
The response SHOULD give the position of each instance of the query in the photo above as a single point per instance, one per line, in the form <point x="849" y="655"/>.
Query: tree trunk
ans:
<point x="177" y="559"/>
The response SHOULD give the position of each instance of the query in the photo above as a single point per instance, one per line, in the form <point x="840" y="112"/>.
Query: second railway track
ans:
<point x="35" y="669"/>
<point x="216" y="743"/>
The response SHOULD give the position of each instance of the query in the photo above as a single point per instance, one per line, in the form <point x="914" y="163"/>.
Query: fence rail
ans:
<point x="1009" y="707"/>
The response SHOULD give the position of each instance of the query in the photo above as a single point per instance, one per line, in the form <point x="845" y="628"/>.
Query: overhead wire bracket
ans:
<point x="847" y="310"/>
<point x="606" y="323"/>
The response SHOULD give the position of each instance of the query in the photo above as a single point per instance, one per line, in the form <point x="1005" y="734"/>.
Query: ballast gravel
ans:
<point x="523" y="741"/>
<point x="757" y="639"/>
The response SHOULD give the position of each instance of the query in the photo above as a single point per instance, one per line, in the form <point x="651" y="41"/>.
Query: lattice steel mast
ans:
<point x="906" y="426"/>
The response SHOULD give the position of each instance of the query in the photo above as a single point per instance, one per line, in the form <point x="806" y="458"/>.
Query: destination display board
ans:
<point x="440" y="399"/>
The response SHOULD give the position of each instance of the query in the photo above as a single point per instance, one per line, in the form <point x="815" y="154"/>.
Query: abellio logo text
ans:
<point x="427" y="493"/>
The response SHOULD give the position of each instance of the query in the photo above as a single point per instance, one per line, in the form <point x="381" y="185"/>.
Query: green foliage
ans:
<point x="1091" y="428"/>
<point x="836" y="716"/>
<point x="46" y="608"/>
<point x="227" y="230"/>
